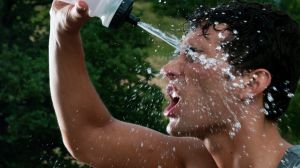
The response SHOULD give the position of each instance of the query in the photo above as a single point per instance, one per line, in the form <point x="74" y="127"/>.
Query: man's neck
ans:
<point x="255" y="145"/>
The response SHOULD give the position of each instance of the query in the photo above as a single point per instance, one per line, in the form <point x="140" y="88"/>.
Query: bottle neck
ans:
<point x="133" y="20"/>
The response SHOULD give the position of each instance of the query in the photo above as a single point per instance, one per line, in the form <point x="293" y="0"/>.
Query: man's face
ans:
<point x="200" y="95"/>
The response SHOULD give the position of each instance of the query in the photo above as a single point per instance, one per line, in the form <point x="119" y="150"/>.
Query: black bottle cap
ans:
<point x="133" y="20"/>
<point x="123" y="14"/>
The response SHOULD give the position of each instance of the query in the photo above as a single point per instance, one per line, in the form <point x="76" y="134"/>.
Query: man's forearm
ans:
<point x="76" y="102"/>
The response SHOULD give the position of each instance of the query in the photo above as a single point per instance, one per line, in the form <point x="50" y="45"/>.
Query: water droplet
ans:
<point x="132" y="129"/>
<point x="218" y="48"/>
<point x="149" y="70"/>
<point x="270" y="97"/>
<point x="286" y="82"/>
<point x="231" y="134"/>
<point x="237" y="125"/>
<point x="290" y="95"/>
<point x="221" y="35"/>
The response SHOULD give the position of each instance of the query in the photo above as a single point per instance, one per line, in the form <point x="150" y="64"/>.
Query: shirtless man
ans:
<point x="228" y="85"/>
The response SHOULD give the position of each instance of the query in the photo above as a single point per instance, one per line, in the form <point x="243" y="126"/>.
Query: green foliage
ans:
<point x="182" y="8"/>
<point x="292" y="7"/>
<point x="29" y="134"/>
<point x="121" y="74"/>
<point x="289" y="124"/>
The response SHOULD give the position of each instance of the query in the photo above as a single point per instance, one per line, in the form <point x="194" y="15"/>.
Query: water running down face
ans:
<point x="203" y="93"/>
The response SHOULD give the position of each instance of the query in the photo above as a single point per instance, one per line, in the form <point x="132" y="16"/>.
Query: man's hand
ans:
<point x="68" y="18"/>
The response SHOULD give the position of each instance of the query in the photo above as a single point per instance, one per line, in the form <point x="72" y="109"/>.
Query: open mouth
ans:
<point x="173" y="103"/>
<point x="174" y="100"/>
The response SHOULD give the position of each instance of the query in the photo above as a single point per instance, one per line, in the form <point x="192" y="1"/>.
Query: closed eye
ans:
<point x="196" y="50"/>
<point x="192" y="54"/>
<point x="192" y="49"/>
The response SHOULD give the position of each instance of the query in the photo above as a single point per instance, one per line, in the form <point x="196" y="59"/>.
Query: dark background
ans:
<point x="118" y="62"/>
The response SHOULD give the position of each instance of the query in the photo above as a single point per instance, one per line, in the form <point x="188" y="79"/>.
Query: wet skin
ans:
<point x="200" y="83"/>
<point x="223" y="108"/>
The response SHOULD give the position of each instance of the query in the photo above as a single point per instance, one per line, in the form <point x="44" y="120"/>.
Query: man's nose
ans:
<point x="174" y="68"/>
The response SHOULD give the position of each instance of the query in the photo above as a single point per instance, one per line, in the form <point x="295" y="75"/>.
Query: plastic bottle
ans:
<point x="112" y="13"/>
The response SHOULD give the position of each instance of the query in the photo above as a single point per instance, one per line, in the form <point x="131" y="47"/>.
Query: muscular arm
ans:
<point x="89" y="132"/>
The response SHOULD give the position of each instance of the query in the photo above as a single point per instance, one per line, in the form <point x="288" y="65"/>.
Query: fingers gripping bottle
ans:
<point x="113" y="13"/>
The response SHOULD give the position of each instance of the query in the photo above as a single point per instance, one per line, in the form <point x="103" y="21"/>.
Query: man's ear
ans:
<point x="255" y="83"/>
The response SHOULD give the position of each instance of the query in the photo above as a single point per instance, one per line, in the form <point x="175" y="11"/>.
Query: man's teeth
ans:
<point x="174" y="95"/>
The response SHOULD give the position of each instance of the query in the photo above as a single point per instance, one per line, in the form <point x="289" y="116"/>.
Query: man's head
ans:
<point x="263" y="38"/>
<point x="252" y="39"/>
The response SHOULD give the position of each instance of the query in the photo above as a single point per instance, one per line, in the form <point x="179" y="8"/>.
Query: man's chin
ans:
<point x="178" y="129"/>
<point x="173" y="128"/>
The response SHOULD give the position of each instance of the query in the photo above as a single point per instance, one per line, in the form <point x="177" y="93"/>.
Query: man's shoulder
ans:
<point x="291" y="159"/>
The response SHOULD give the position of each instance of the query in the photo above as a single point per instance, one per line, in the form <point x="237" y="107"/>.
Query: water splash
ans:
<point x="170" y="39"/>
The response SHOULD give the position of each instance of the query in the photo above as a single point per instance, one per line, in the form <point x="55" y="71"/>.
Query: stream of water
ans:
<point x="170" y="39"/>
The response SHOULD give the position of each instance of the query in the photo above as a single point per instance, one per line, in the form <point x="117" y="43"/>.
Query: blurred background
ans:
<point x="122" y="63"/>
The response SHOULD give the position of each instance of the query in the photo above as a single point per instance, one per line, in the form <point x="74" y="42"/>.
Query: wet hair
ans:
<point x="263" y="37"/>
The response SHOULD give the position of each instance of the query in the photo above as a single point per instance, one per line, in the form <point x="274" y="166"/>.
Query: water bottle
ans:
<point x="112" y="13"/>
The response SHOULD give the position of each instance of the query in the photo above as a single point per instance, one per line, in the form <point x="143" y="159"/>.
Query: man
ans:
<point x="234" y="75"/>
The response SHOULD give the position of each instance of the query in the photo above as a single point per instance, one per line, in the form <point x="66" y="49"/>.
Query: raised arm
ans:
<point x="89" y="132"/>
<point x="75" y="101"/>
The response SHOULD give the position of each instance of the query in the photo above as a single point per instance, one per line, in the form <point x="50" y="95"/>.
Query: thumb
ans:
<point x="78" y="14"/>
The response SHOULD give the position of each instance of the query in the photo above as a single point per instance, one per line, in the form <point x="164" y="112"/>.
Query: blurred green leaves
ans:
<point x="29" y="134"/>
<point x="116" y="62"/>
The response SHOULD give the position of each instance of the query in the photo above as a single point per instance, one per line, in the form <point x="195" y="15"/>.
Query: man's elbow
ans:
<point x="80" y="154"/>
<point x="76" y="150"/>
